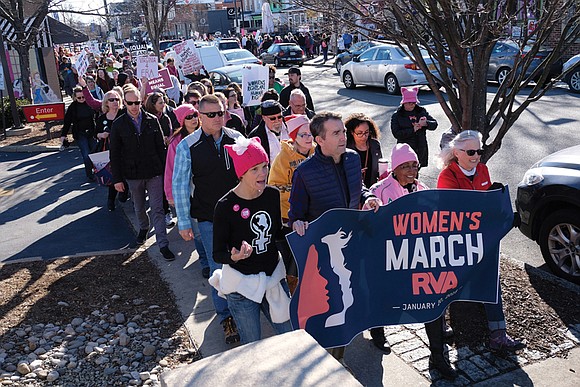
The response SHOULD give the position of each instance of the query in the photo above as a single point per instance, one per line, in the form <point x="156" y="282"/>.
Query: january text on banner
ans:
<point x="404" y="264"/>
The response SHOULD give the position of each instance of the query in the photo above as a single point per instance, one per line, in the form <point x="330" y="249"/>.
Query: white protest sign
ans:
<point x="189" y="57"/>
<point x="254" y="83"/>
<point x="147" y="67"/>
<point x="81" y="63"/>
<point x="94" y="47"/>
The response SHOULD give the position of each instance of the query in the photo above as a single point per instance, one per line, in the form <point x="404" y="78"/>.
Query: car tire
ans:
<point x="300" y="64"/>
<point x="338" y="66"/>
<point x="348" y="81"/>
<point x="574" y="80"/>
<point x="501" y="74"/>
<point x="392" y="85"/>
<point x="559" y="240"/>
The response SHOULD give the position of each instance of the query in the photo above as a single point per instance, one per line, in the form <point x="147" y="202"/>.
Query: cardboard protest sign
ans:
<point x="254" y="83"/>
<point x="404" y="264"/>
<point x="138" y="50"/>
<point x="147" y="67"/>
<point x="163" y="81"/>
<point x="188" y="55"/>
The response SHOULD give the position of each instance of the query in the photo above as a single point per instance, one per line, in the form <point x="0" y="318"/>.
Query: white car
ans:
<point x="239" y="56"/>
<point x="385" y="65"/>
<point x="573" y="78"/>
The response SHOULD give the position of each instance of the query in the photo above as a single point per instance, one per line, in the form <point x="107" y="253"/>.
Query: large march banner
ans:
<point x="404" y="264"/>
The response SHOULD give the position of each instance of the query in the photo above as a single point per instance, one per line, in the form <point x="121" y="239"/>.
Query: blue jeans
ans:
<point x="247" y="316"/>
<point x="199" y="244"/>
<point x="86" y="146"/>
<point x="494" y="313"/>
<point x="220" y="304"/>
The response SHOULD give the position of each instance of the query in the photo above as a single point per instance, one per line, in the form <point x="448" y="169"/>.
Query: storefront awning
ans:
<point x="61" y="33"/>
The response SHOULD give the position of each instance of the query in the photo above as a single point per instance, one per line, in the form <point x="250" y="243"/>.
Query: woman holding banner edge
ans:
<point x="463" y="169"/>
<point x="401" y="181"/>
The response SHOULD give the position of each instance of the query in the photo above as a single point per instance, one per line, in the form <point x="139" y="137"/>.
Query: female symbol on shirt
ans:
<point x="261" y="223"/>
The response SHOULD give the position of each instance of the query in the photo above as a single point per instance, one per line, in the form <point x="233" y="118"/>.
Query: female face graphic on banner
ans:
<point x="313" y="293"/>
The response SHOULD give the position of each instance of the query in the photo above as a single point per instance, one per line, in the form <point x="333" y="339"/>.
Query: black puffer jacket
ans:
<point x="136" y="156"/>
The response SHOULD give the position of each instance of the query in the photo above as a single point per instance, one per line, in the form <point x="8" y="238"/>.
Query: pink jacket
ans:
<point x="169" y="163"/>
<point x="390" y="189"/>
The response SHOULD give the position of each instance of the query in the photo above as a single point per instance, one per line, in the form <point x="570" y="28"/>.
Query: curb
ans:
<point x="29" y="148"/>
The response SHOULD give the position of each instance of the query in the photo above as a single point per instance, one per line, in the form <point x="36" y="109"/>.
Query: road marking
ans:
<point x="6" y="192"/>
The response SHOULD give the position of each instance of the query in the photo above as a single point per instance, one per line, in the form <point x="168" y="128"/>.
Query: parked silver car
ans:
<point x="239" y="56"/>
<point x="385" y="65"/>
<point x="573" y="78"/>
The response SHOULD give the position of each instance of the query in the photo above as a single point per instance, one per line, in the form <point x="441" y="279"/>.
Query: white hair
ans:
<point x="447" y="155"/>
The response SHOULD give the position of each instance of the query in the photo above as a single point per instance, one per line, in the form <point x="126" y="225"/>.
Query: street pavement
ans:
<point x="47" y="210"/>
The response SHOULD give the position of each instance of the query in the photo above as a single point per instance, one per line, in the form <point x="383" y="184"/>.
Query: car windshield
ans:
<point x="243" y="54"/>
<point x="168" y="44"/>
<point x="236" y="76"/>
<point x="289" y="48"/>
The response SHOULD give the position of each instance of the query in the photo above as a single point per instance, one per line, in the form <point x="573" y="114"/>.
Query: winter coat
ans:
<point x="402" y="129"/>
<point x="282" y="170"/>
<point x="452" y="177"/>
<point x="374" y="156"/>
<point x="390" y="189"/>
<point x="81" y="117"/>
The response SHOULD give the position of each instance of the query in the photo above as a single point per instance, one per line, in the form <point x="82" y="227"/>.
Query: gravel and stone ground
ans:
<point x="107" y="320"/>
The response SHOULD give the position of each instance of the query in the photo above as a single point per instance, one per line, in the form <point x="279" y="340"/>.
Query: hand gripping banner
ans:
<point x="403" y="264"/>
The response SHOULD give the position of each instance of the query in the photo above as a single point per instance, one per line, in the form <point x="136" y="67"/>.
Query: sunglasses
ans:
<point x="275" y="118"/>
<point x="471" y="152"/>
<point x="113" y="99"/>
<point x="129" y="103"/>
<point x="304" y="135"/>
<point x="213" y="114"/>
<point x="81" y="97"/>
<point x="191" y="116"/>
<point x="361" y="134"/>
<point x="194" y="102"/>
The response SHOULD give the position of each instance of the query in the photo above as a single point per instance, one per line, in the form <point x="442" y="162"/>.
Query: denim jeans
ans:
<point x="86" y="146"/>
<point x="199" y="244"/>
<point x="220" y="304"/>
<point x="494" y="313"/>
<point x="247" y="316"/>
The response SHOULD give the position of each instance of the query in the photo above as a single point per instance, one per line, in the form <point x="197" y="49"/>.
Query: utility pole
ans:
<point x="16" y="124"/>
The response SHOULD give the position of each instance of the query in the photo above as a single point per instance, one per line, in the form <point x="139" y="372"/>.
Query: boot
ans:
<point x="379" y="339"/>
<point x="437" y="360"/>
<point x="500" y="341"/>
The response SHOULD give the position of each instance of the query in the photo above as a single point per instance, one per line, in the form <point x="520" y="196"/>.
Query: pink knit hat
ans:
<point x="409" y="94"/>
<point x="183" y="111"/>
<point x="402" y="153"/>
<point x="246" y="153"/>
<point x="294" y="123"/>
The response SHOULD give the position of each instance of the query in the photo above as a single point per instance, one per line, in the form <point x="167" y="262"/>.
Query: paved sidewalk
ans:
<point x="407" y="364"/>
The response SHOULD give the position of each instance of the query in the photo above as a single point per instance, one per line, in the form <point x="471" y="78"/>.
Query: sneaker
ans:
<point x="167" y="254"/>
<point x="169" y="220"/>
<point x="205" y="272"/>
<point x="141" y="237"/>
<point x="500" y="341"/>
<point x="111" y="205"/>
<point x="230" y="330"/>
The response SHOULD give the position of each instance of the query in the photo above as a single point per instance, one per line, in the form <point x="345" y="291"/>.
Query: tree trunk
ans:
<point x="24" y="54"/>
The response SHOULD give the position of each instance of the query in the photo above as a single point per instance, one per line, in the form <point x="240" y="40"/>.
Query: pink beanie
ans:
<point x="409" y="94"/>
<point x="294" y="123"/>
<point x="402" y="153"/>
<point x="246" y="153"/>
<point x="184" y="110"/>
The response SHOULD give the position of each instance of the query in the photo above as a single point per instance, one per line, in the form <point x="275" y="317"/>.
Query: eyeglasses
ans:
<point x="304" y="135"/>
<point x="191" y="116"/>
<point x="113" y="99"/>
<point x="81" y="97"/>
<point x="471" y="152"/>
<point x="129" y="103"/>
<point x="409" y="166"/>
<point x="213" y="114"/>
<point x="275" y="118"/>
<point x="194" y="102"/>
<point x="362" y="134"/>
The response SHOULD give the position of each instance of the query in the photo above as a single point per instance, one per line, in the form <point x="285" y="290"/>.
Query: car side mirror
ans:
<point x="356" y="59"/>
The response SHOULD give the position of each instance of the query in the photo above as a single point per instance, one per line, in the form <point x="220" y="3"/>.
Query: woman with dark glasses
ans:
<point x="112" y="107"/>
<point x="464" y="170"/>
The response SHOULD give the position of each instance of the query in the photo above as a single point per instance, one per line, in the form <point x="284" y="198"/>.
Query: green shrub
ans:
<point x="7" y="110"/>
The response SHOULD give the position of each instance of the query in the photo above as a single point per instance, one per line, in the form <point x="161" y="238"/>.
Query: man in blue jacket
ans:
<point x="330" y="178"/>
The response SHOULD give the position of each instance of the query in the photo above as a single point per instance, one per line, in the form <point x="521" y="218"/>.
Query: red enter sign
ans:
<point x="44" y="112"/>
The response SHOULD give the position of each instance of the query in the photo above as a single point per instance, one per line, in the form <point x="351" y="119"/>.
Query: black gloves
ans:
<point x="496" y="185"/>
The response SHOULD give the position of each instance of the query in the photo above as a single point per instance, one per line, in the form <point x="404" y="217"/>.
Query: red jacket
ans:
<point x="453" y="178"/>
